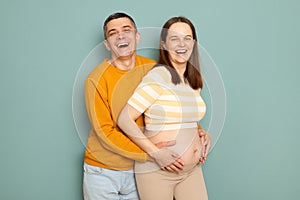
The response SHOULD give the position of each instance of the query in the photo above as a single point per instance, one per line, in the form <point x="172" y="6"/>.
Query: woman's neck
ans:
<point x="180" y="68"/>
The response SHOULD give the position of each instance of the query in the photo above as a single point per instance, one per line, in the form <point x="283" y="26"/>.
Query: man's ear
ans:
<point x="138" y="37"/>
<point x="107" y="45"/>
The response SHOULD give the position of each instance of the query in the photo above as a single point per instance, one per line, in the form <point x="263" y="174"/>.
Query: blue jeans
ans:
<point x="104" y="184"/>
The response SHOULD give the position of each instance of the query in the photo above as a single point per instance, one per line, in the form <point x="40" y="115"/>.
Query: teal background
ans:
<point x="255" y="45"/>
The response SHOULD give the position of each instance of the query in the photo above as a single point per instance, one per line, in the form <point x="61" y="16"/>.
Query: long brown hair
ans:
<point x="192" y="72"/>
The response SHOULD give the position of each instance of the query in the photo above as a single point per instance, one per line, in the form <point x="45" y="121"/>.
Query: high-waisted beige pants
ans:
<point x="164" y="185"/>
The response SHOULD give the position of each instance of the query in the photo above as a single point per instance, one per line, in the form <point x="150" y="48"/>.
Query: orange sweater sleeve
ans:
<point x="107" y="132"/>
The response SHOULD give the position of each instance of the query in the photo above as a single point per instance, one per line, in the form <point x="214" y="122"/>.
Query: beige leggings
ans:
<point x="163" y="185"/>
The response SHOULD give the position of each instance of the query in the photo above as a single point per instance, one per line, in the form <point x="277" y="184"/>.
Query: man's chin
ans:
<point x="126" y="54"/>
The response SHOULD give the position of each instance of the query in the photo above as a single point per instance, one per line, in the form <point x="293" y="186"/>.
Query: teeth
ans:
<point x="181" y="51"/>
<point x="122" y="45"/>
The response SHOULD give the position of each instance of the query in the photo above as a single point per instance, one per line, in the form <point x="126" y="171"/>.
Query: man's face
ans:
<point x="122" y="38"/>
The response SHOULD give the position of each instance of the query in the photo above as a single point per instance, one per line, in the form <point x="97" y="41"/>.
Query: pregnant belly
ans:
<point x="188" y="144"/>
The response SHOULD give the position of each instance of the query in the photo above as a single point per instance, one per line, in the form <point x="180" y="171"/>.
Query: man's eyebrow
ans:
<point x="123" y="27"/>
<point x="127" y="26"/>
<point x="111" y="30"/>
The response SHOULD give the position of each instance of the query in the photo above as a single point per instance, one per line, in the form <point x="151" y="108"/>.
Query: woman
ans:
<point x="169" y="96"/>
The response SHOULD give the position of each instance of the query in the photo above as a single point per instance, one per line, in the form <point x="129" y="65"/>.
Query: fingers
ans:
<point x="164" y="157"/>
<point x="178" y="164"/>
<point x="203" y="154"/>
<point x="202" y="157"/>
<point x="172" y="169"/>
<point x="175" y="167"/>
<point x="207" y="139"/>
<point x="202" y="160"/>
<point x="164" y="144"/>
<point x="207" y="148"/>
<point x="206" y="142"/>
<point x="201" y="132"/>
<point x="202" y="139"/>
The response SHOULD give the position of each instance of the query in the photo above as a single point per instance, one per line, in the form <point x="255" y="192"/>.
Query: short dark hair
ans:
<point x="116" y="15"/>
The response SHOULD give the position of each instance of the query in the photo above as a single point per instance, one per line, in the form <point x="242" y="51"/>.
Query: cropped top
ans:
<point x="167" y="106"/>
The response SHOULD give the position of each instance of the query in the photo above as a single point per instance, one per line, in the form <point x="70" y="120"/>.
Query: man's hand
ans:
<point x="206" y="142"/>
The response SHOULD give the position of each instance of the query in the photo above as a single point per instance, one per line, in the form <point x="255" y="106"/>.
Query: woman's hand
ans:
<point x="165" y="158"/>
<point x="175" y="167"/>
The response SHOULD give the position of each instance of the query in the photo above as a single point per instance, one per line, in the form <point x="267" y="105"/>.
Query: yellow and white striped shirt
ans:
<point x="167" y="106"/>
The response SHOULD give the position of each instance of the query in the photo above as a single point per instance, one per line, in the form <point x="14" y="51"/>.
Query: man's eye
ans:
<point x="112" y="33"/>
<point x="127" y="30"/>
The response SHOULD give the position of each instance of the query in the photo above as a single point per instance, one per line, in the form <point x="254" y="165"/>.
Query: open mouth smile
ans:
<point x="123" y="45"/>
<point x="181" y="51"/>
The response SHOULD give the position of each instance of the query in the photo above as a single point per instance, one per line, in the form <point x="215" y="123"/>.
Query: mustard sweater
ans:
<point x="107" y="90"/>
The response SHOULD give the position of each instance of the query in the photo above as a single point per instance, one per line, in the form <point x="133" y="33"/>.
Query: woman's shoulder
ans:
<point x="159" y="74"/>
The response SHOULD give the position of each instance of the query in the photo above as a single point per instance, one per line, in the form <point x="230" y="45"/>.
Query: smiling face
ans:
<point x="122" y="37"/>
<point x="179" y="43"/>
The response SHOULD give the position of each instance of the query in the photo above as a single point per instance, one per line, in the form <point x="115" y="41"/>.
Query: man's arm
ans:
<point x="106" y="129"/>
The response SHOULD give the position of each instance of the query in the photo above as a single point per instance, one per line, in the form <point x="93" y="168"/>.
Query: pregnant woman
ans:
<point x="169" y="97"/>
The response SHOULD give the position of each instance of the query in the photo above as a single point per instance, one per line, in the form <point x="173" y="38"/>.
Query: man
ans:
<point x="109" y="154"/>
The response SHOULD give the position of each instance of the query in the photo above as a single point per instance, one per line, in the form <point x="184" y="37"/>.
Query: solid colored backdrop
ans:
<point x="255" y="45"/>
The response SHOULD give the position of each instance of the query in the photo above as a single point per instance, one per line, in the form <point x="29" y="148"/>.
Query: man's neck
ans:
<point x="124" y="63"/>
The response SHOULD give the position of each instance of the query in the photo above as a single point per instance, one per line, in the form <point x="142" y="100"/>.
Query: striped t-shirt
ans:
<point x="167" y="106"/>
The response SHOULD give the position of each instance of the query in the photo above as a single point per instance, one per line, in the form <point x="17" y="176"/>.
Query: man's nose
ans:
<point x="120" y="35"/>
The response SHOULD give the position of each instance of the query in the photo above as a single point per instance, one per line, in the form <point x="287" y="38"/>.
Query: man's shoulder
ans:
<point x="144" y="60"/>
<point x="98" y="70"/>
<point x="143" y="64"/>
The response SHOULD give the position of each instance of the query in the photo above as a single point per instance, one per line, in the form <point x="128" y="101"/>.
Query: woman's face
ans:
<point x="179" y="43"/>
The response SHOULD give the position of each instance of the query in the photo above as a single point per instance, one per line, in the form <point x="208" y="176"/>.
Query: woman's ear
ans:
<point x="163" y="45"/>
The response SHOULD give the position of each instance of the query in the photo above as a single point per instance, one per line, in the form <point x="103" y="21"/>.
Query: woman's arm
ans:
<point x="126" y="121"/>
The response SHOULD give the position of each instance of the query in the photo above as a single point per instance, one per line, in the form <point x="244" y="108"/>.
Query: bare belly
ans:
<point x="188" y="144"/>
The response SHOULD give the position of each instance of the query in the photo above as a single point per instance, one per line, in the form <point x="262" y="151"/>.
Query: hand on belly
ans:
<point x="188" y="144"/>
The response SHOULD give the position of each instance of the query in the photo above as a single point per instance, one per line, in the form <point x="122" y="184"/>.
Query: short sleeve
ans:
<point x="149" y="90"/>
